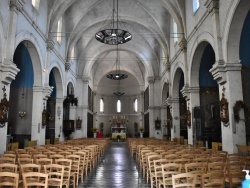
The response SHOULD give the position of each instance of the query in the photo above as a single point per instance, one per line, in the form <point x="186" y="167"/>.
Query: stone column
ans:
<point x="164" y="120"/>
<point x="59" y="119"/>
<point x="175" y="111"/>
<point x="192" y="95"/>
<point x="84" y="105"/>
<point x="230" y="82"/>
<point x="40" y="96"/>
<point x="7" y="75"/>
<point x="151" y="81"/>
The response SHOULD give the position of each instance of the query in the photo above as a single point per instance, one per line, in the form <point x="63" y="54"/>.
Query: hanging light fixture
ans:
<point x="117" y="75"/>
<point x="112" y="35"/>
<point x="118" y="93"/>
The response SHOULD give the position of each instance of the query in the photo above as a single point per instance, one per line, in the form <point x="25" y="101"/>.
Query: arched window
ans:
<point x="136" y="105"/>
<point x="101" y="105"/>
<point x="118" y="106"/>
<point x="35" y="4"/>
<point x="72" y="55"/>
<point x="59" y="31"/>
<point x="196" y="5"/>
<point x="175" y="31"/>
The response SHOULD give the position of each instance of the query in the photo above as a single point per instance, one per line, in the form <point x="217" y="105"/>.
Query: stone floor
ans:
<point x="115" y="169"/>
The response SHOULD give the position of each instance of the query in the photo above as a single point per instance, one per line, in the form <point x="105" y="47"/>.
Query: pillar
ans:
<point x="175" y="111"/>
<point x="59" y="119"/>
<point x="151" y="81"/>
<point x="229" y="79"/>
<point x="40" y="95"/>
<point x="164" y="120"/>
<point x="192" y="95"/>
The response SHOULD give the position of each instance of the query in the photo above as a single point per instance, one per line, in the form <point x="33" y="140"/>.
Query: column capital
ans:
<point x="220" y="69"/>
<point x="16" y="5"/>
<point x="171" y="100"/>
<point x="187" y="91"/>
<point x="183" y="45"/>
<point x="212" y="6"/>
<point x="67" y="65"/>
<point x="50" y="44"/>
<point x="86" y="79"/>
<point x="38" y="88"/>
<point x="59" y="100"/>
<point x="151" y="79"/>
<point x="47" y="90"/>
<point x="8" y="73"/>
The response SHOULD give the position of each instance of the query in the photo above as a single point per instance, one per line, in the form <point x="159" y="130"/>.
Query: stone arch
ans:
<point x="165" y="92"/>
<point x="176" y="82"/>
<point x="70" y="88"/>
<point x="233" y="27"/>
<point x="197" y="53"/>
<point x="35" y="53"/>
<point x="58" y="80"/>
<point x="70" y="82"/>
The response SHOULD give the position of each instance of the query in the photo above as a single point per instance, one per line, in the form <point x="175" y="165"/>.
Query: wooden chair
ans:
<point x="7" y="160"/>
<point x="56" y="156"/>
<point x="38" y="156"/>
<point x="67" y="170"/>
<point x="35" y="179"/>
<point x="154" y="178"/>
<point x="25" y="161"/>
<point x="55" y="174"/>
<point x="150" y="171"/>
<point x="26" y="168"/>
<point x="184" y="180"/>
<point x="9" y="179"/>
<point x="75" y="166"/>
<point x="7" y="167"/>
<point x="198" y="169"/>
<point x="235" y="178"/>
<point x="167" y="171"/>
<point x="213" y="179"/>
<point x="10" y="155"/>
<point x="83" y="164"/>
<point x="219" y="167"/>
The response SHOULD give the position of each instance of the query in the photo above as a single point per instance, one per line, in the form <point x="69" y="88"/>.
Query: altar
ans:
<point x="122" y="136"/>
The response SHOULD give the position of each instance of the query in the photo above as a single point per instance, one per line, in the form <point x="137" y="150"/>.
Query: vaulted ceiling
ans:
<point x="147" y="20"/>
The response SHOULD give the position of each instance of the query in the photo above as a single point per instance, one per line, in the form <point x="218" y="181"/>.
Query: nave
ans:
<point x="115" y="169"/>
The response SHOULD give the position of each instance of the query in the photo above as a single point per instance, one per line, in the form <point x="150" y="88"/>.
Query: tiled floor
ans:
<point x="116" y="169"/>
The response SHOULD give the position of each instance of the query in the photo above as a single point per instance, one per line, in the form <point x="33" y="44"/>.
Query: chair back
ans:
<point x="9" y="179"/>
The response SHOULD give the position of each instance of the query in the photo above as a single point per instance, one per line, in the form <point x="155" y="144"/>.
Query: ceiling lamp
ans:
<point x="117" y="75"/>
<point x="113" y="36"/>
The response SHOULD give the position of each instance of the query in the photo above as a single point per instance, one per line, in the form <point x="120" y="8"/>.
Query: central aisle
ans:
<point x="115" y="169"/>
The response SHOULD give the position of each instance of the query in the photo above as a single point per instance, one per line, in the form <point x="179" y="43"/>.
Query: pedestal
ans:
<point x="141" y="134"/>
<point x="94" y="135"/>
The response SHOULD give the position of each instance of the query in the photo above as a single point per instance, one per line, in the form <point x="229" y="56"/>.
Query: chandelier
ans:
<point x="112" y="35"/>
<point x="117" y="75"/>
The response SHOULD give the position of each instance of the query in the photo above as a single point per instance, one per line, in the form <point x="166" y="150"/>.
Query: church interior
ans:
<point x="121" y="74"/>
